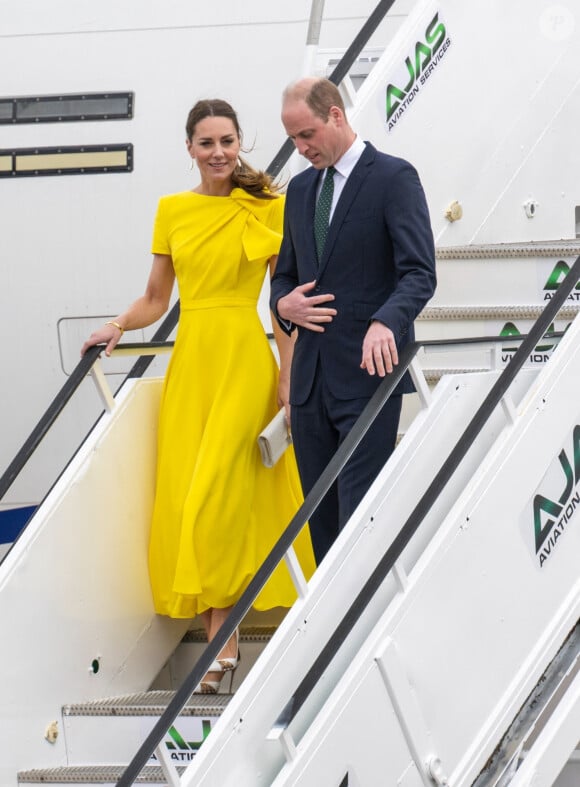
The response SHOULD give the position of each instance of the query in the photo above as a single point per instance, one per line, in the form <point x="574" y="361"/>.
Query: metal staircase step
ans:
<point x="562" y="247"/>
<point x="493" y="290"/>
<point x="501" y="275"/>
<point x="494" y="312"/>
<point x="253" y="639"/>
<point x="104" y="775"/>
<point x="148" y="703"/>
<point x="253" y="633"/>
<point x="110" y="730"/>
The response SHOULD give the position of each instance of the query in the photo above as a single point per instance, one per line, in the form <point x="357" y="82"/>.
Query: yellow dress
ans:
<point x="218" y="511"/>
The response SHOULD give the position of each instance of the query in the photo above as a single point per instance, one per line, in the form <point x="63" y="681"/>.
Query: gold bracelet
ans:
<point x="116" y="325"/>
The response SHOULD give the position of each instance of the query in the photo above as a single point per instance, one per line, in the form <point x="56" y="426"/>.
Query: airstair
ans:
<point x="437" y="644"/>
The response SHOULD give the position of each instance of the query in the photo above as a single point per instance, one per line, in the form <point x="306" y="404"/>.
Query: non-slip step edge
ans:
<point x="556" y="248"/>
<point x="247" y="634"/>
<point x="502" y="312"/>
<point x="148" y="703"/>
<point x="91" y="774"/>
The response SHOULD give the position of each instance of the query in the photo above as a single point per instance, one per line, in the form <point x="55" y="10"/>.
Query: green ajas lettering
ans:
<point x="434" y="35"/>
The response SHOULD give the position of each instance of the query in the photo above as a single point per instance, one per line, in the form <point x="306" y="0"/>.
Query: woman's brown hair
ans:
<point x="244" y="176"/>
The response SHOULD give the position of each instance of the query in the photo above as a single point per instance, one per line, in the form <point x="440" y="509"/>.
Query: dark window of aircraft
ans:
<point x="78" y="160"/>
<point x="59" y="109"/>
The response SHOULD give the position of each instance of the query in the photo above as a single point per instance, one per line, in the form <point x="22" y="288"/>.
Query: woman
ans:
<point x="218" y="510"/>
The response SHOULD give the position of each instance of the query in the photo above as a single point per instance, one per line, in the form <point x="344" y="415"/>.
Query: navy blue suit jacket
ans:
<point x="378" y="262"/>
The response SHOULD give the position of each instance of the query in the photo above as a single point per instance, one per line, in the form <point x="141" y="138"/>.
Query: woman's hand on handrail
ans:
<point x="109" y="334"/>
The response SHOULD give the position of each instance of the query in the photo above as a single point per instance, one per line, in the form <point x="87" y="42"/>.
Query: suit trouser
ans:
<point x="318" y="428"/>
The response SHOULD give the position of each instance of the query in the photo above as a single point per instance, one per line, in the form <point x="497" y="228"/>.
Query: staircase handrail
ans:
<point x="149" y="350"/>
<point x="58" y="404"/>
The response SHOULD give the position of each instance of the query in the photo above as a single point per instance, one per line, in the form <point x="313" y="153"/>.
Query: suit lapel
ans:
<point x="351" y="188"/>
<point x="307" y="207"/>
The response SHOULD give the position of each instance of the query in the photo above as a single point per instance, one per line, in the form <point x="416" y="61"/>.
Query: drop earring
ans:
<point x="191" y="163"/>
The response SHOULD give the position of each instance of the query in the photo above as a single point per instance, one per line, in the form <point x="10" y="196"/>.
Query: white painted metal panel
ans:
<point x="483" y="614"/>
<point x="76" y="614"/>
<point x="487" y="115"/>
<point x="360" y="716"/>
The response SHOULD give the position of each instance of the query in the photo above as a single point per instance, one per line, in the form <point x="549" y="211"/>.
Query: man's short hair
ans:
<point x="319" y="95"/>
<point x="323" y="95"/>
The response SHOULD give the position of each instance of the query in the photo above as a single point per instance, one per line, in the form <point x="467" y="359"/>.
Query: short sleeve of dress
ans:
<point x="160" y="243"/>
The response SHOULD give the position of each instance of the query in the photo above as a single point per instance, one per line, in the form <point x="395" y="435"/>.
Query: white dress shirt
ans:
<point x="344" y="166"/>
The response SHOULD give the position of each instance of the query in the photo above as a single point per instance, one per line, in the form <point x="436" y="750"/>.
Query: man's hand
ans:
<point x="298" y="308"/>
<point x="379" y="351"/>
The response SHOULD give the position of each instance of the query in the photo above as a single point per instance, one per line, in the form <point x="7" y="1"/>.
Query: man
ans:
<point x="353" y="300"/>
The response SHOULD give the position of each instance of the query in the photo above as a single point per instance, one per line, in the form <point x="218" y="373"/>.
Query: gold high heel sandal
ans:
<point x="220" y="666"/>
<point x="230" y="663"/>
<point x="207" y="686"/>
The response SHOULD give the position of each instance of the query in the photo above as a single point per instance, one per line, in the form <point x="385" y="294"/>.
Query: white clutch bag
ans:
<point x="274" y="439"/>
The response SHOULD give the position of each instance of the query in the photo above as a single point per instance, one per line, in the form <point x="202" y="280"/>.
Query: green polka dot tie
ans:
<point x="322" y="212"/>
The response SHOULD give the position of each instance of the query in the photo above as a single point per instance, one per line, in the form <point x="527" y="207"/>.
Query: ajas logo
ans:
<point x="556" y="277"/>
<point x="553" y="516"/>
<point x="542" y="352"/>
<point x="180" y="749"/>
<point x="418" y="66"/>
